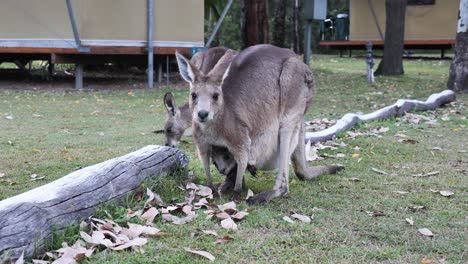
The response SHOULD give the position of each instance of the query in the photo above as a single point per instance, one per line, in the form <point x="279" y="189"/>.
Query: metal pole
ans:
<point x="308" y="42"/>
<point x="79" y="76"/>
<point x="370" y="63"/>
<point x="160" y="71"/>
<point x="150" y="45"/>
<point x="218" y="24"/>
<point x="76" y="35"/>
<point x="167" y="70"/>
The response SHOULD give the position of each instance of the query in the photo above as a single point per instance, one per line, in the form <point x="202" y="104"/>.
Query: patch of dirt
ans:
<point x="94" y="79"/>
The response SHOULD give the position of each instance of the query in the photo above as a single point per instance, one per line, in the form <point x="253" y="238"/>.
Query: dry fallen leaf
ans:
<point x="446" y="193"/>
<point x="302" y="218"/>
<point x="178" y="220"/>
<point x="417" y="208"/>
<point x="375" y="214"/>
<point x="408" y="141"/>
<point x="239" y="215"/>
<point x="354" y="179"/>
<point x="427" y="174"/>
<point x="229" y="224"/>
<point x="38" y="261"/>
<point x="425" y="232"/>
<point x="223" y="215"/>
<point x="249" y="194"/>
<point x="401" y="192"/>
<point x="149" y="215"/>
<point x="201" y="253"/>
<point x="379" y="171"/>
<point x="410" y="221"/>
<point x="210" y="232"/>
<point x="137" y="242"/>
<point x="428" y="260"/>
<point x="230" y="205"/>
<point x="223" y="240"/>
<point x="20" y="260"/>
<point x="311" y="152"/>
<point x="2" y="175"/>
<point x="74" y="253"/>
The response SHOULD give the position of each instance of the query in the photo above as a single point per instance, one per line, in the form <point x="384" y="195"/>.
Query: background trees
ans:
<point x="279" y="22"/>
<point x="458" y="76"/>
<point x="392" y="61"/>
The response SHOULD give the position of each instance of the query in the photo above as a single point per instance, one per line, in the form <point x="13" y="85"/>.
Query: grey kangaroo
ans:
<point x="255" y="109"/>
<point x="179" y="119"/>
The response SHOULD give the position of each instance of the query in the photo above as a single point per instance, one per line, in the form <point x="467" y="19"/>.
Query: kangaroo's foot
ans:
<point x="229" y="183"/>
<point x="266" y="196"/>
<point x="314" y="172"/>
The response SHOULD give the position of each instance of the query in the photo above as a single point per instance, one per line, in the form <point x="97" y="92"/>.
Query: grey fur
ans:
<point x="179" y="120"/>
<point x="255" y="109"/>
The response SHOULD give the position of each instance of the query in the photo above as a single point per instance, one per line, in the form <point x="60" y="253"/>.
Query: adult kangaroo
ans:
<point x="179" y="119"/>
<point x="256" y="110"/>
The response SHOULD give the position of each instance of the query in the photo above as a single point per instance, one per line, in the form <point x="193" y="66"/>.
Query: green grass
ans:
<point x="53" y="133"/>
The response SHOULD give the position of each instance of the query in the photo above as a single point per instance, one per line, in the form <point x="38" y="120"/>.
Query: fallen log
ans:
<point x="27" y="220"/>
<point x="397" y="109"/>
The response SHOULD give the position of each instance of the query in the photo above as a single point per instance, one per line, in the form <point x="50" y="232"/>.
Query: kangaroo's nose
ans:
<point x="202" y="115"/>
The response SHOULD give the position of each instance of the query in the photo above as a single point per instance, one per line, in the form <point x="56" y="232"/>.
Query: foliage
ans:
<point x="229" y="33"/>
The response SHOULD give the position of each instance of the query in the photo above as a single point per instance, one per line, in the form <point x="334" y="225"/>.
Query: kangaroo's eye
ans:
<point x="215" y="96"/>
<point x="168" y="130"/>
<point x="194" y="96"/>
<point x="226" y="157"/>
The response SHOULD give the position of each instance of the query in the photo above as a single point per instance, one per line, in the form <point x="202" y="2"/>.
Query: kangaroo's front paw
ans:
<point x="336" y="168"/>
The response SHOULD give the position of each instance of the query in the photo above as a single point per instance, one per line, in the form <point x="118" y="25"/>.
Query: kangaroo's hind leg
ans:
<point x="301" y="169"/>
<point x="287" y="133"/>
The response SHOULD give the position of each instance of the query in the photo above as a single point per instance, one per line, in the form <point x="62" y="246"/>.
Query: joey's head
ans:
<point x="206" y="96"/>
<point x="175" y="125"/>
<point x="223" y="160"/>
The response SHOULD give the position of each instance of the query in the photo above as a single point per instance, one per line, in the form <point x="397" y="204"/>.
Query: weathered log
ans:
<point x="27" y="220"/>
<point x="397" y="109"/>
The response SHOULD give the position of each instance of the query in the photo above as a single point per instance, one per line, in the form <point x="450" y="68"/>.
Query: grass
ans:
<point x="54" y="132"/>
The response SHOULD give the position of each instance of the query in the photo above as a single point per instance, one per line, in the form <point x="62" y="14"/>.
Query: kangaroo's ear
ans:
<point x="170" y="104"/>
<point x="222" y="67"/>
<point x="197" y="59"/>
<point x="187" y="70"/>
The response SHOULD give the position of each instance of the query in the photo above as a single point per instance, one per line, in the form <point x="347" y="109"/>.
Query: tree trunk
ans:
<point x="458" y="76"/>
<point x="279" y="31"/>
<point x="297" y="27"/>
<point x="27" y="220"/>
<point x="254" y="23"/>
<point x="392" y="61"/>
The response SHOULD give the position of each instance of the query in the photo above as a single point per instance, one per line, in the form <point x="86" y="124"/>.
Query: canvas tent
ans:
<point x="428" y="24"/>
<point x="106" y="30"/>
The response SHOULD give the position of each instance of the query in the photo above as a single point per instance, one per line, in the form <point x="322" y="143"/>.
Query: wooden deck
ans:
<point x="433" y="44"/>
<point x="417" y="44"/>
